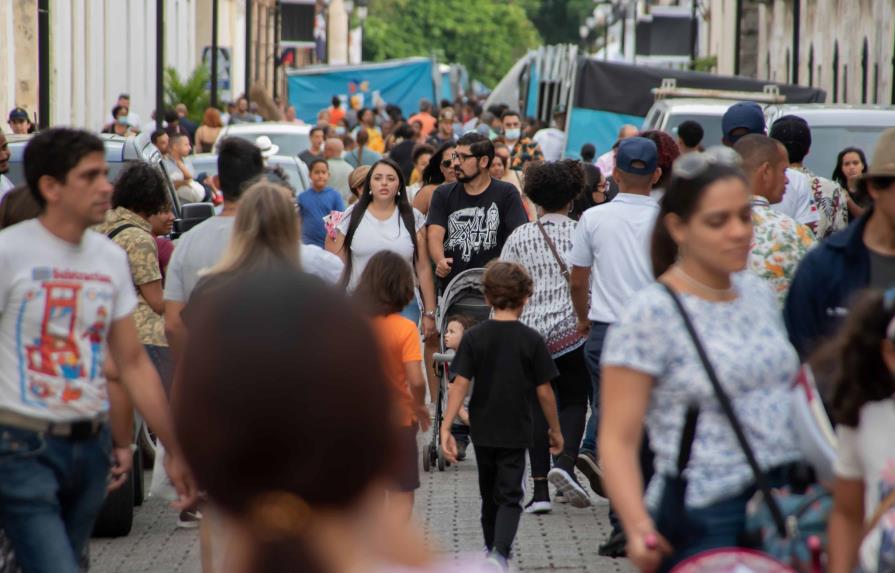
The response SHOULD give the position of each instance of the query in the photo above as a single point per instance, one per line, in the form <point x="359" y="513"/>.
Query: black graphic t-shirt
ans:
<point x="475" y="227"/>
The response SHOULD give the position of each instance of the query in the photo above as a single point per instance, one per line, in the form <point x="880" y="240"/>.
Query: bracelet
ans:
<point x="131" y="447"/>
<point x="429" y="314"/>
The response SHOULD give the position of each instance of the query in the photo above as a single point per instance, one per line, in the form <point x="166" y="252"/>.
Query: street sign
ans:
<point x="223" y="66"/>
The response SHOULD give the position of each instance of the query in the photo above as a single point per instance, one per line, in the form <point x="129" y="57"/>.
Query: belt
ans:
<point x="77" y="430"/>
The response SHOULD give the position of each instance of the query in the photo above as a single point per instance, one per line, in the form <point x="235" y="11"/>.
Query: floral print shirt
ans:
<point x="524" y="151"/>
<point x="142" y="254"/>
<point x="831" y="201"/>
<point x="778" y="245"/>
<point x="650" y="337"/>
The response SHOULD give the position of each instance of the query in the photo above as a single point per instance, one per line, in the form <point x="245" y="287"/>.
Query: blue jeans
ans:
<point x="592" y="350"/>
<point x="51" y="491"/>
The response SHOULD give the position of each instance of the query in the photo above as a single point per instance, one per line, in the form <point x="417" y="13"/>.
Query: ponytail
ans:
<point x="663" y="249"/>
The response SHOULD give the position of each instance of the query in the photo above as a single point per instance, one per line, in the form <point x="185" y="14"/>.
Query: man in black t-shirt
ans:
<point x="470" y="220"/>
<point x="512" y="368"/>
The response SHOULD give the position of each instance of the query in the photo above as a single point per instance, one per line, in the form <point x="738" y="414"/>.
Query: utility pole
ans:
<point x="796" y="24"/>
<point x="43" y="65"/>
<point x="738" y="18"/>
<point x="159" y="63"/>
<point x="276" y="49"/>
<point x="214" y="53"/>
<point x="248" y="54"/>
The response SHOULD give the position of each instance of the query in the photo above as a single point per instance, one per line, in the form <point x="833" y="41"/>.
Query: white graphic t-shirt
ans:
<point x="57" y="302"/>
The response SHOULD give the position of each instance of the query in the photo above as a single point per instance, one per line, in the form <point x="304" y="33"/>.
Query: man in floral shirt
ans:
<point x="522" y="149"/>
<point x="778" y="241"/>
<point x="831" y="200"/>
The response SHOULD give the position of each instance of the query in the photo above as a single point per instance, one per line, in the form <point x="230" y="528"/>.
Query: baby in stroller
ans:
<point x="457" y="325"/>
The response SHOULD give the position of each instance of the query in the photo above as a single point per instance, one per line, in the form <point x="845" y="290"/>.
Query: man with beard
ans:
<point x="470" y="220"/>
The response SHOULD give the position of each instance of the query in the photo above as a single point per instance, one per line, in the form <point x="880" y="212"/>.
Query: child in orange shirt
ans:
<point x="386" y="286"/>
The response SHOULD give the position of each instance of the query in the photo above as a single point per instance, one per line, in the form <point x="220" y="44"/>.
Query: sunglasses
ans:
<point x="445" y="163"/>
<point x="695" y="164"/>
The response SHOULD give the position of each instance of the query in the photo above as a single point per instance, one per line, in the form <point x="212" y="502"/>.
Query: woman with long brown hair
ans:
<point x="209" y="130"/>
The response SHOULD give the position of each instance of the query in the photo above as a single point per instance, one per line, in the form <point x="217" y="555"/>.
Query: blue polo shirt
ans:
<point x="314" y="206"/>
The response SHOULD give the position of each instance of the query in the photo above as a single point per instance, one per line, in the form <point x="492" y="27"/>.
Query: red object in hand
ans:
<point x="651" y="541"/>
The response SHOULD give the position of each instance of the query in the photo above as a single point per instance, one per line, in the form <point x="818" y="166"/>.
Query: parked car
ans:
<point x="667" y="114"/>
<point x="837" y="126"/>
<point x="294" y="169"/>
<point x="291" y="138"/>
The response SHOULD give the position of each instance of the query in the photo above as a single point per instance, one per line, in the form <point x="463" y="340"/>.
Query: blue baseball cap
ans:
<point x="745" y="114"/>
<point x="637" y="155"/>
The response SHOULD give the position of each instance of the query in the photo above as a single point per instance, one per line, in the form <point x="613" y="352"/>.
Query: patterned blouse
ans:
<point x="550" y="309"/>
<point x="778" y="245"/>
<point x="831" y="201"/>
<point x="524" y="151"/>
<point x="650" y="337"/>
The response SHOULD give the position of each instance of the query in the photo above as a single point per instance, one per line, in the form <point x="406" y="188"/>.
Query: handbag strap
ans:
<point x="885" y="505"/>
<point x="727" y="407"/>
<point x="562" y="264"/>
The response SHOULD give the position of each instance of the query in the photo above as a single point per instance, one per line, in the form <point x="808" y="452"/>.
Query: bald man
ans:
<point x="779" y="242"/>
<point x="606" y="162"/>
<point x="339" y="169"/>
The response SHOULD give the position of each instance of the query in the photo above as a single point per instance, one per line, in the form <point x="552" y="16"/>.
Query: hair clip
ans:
<point x="278" y="515"/>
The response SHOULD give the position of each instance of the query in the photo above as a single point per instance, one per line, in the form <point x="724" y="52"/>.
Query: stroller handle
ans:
<point x="443" y="357"/>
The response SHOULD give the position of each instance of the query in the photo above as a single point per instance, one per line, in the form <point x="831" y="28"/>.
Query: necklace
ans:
<point x="720" y="292"/>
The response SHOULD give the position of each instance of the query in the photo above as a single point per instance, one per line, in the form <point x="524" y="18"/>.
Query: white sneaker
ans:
<point x="558" y="497"/>
<point x="564" y="483"/>
<point x="538" y="507"/>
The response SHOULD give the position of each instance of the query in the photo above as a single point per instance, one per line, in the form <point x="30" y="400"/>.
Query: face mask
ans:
<point x="123" y="120"/>
<point x="512" y="134"/>
<point x="340" y="131"/>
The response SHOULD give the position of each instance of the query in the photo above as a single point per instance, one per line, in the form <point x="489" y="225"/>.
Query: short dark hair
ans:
<point x="156" y="135"/>
<point x="336" y="101"/>
<point x="588" y="152"/>
<point x="316" y="129"/>
<point x="479" y="145"/>
<point x="118" y="108"/>
<point x="553" y="185"/>
<point x="141" y="188"/>
<point x="756" y="149"/>
<point x="509" y="113"/>
<point x="315" y="162"/>
<point x="16" y="206"/>
<point x="421" y="150"/>
<point x="176" y="135"/>
<point x="239" y="164"/>
<point x="464" y="320"/>
<point x="55" y="152"/>
<point x="171" y="116"/>
<point x="386" y="284"/>
<point x="507" y="284"/>
<point x="690" y="132"/>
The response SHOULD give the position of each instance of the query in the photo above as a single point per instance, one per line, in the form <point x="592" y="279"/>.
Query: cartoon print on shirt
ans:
<point x="74" y="317"/>
<point x="472" y="230"/>
<point x="886" y="526"/>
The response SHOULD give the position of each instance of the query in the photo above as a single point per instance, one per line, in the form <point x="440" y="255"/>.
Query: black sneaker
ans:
<point x="539" y="506"/>
<point x="189" y="519"/>
<point x="590" y="467"/>
<point x="461" y="450"/>
<point x="615" y="545"/>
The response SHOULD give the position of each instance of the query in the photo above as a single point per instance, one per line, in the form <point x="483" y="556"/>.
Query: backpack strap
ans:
<point x="114" y="232"/>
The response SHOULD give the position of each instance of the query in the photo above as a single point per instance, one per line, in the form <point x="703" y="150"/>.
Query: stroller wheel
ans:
<point x="441" y="461"/>
<point x="427" y="458"/>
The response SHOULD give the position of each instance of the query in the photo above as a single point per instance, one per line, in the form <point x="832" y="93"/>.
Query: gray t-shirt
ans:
<point x="198" y="249"/>
<point x="882" y="271"/>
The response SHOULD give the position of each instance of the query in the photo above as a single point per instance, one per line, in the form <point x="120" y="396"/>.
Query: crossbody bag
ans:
<point x="565" y="336"/>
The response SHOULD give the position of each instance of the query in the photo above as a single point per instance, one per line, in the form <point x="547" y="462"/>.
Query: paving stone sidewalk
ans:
<point x="447" y="506"/>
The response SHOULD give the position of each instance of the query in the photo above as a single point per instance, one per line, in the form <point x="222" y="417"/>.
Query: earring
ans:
<point x="399" y="193"/>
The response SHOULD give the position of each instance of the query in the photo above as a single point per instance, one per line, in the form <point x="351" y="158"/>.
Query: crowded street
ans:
<point x="439" y="286"/>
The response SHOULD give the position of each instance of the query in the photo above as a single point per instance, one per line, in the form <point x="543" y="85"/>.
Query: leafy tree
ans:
<point x="486" y="36"/>
<point x="558" y="21"/>
<point x="192" y="91"/>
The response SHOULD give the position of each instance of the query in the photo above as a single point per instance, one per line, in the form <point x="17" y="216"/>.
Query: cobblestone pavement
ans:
<point x="447" y="506"/>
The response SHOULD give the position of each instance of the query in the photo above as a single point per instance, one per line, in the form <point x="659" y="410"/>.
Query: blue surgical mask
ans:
<point x="340" y="130"/>
<point x="512" y="134"/>
<point x="123" y="120"/>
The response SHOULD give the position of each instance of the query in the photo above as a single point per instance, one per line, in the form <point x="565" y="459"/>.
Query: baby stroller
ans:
<point x="463" y="295"/>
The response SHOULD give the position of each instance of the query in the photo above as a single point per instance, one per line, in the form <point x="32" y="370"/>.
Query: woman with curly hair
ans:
<point x="864" y="411"/>
<point x="668" y="152"/>
<point x="541" y="247"/>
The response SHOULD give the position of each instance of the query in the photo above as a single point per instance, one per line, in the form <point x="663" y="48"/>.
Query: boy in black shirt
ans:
<point x="510" y="364"/>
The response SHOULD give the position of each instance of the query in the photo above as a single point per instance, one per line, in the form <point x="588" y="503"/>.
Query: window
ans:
<point x="788" y="77"/>
<point x="836" y="72"/>
<point x="845" y="83"/>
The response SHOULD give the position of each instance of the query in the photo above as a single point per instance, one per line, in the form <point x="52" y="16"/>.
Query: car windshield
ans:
<point x="828" y="140"/>
<point x="711" y="126"/>
<point x="289" y="143"/>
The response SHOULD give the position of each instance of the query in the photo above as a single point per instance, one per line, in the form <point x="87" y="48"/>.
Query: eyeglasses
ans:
<point x="446" y="163"/>
<point x="461" y="157"/>
<point x="695" y="164"/>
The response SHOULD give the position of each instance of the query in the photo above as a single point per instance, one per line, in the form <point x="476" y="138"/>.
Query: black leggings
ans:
<point x="571" y="400"/>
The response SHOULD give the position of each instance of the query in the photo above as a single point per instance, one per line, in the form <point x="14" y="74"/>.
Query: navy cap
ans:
<point x="745" y="114"/>
<point x="18" y="114"/>
<point x="637" y="155"/>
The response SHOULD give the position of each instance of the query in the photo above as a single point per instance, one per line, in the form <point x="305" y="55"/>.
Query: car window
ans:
<point x="711" y="126"/>
<point x="828" y="140"/>
<point x="289" y="143"/>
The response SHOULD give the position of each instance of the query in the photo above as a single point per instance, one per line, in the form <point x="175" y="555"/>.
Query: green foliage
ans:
<point x="486" y="36"/>
<point x="192" y="92"/>
<point x="706" y="64"/>
<point x="558" y="21"/>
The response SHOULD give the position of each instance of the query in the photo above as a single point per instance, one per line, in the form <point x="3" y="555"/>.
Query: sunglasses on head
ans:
<point x="694" y="164"/>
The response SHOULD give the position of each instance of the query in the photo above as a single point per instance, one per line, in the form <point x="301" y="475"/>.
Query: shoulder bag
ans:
<point x="567" y="335"/>
<point x="788" y="526"/>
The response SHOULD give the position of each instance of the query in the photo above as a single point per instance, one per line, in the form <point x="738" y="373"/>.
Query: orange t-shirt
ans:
<point x="427" y="121"/>
<point x="336" y="115"/>
<point x="399" y="342"/>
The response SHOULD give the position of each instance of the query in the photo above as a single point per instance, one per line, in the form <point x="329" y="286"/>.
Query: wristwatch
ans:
<point x="429" y="314"/>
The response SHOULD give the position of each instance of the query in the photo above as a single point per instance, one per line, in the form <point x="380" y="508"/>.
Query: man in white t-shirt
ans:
<point x="66" y="302"/>
<point x="747" y="117"/>
<point x="553" y="139"/>
<point x="610" y="262"/>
